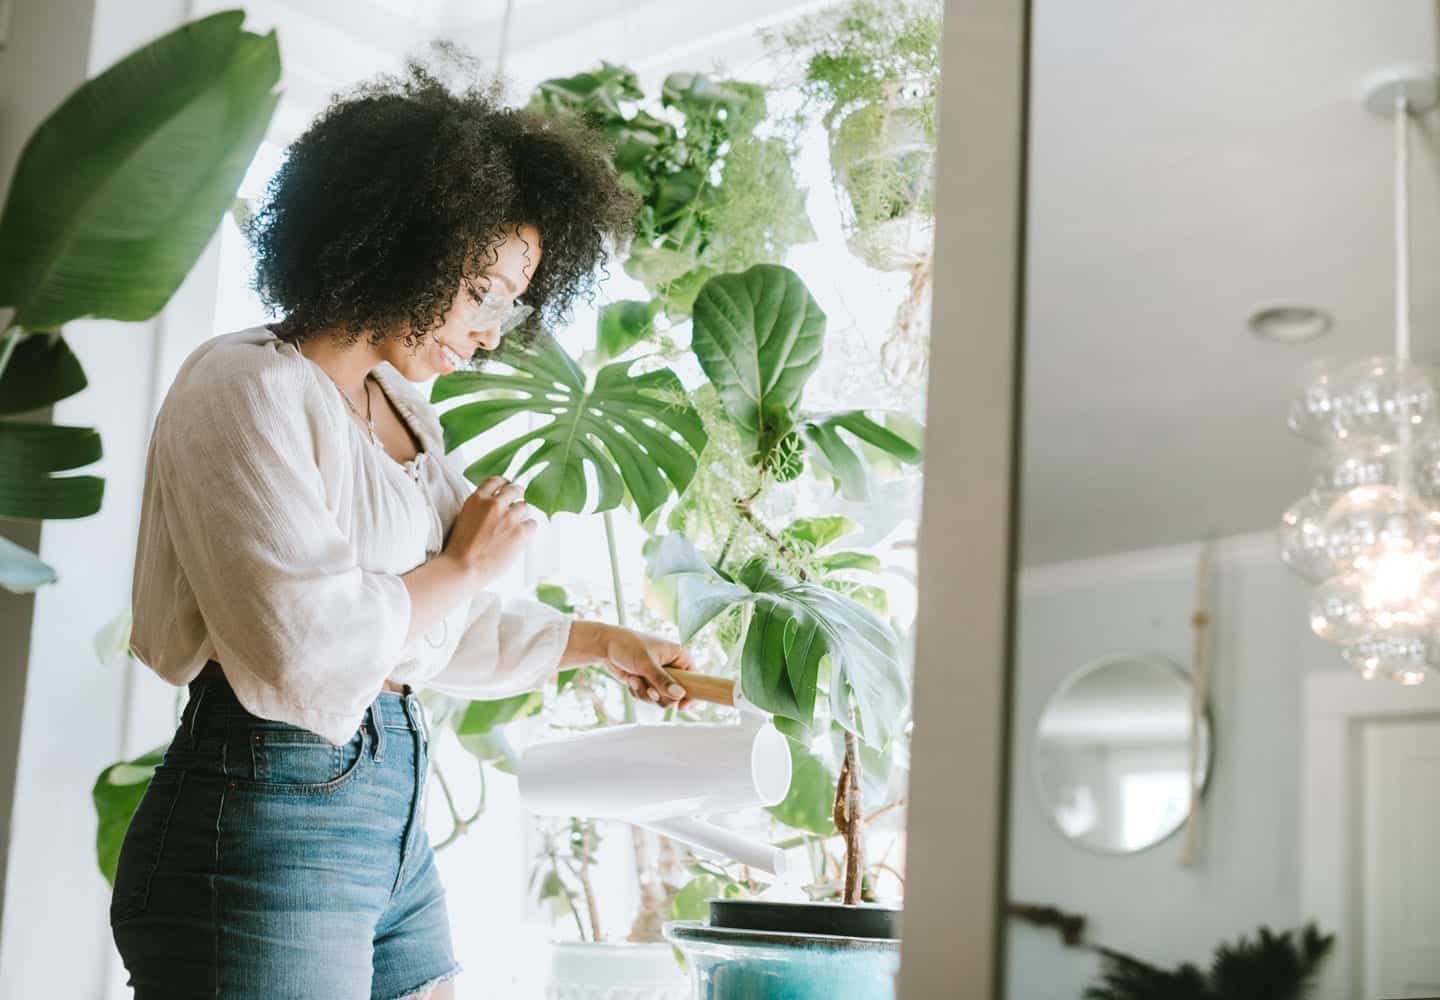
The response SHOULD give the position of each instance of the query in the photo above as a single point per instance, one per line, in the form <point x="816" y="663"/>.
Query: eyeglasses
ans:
<point x="495" y="308"/>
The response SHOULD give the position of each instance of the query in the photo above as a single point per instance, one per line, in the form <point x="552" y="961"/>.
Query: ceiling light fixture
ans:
<point x="1290" y="324"/>
<point x="1368" y="532"/>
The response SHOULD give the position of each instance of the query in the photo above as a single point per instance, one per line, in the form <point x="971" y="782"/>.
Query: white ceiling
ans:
<point x="1189" y="163"/>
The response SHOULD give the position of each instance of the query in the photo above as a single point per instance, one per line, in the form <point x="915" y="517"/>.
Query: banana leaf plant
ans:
<point x="114" y="198"/>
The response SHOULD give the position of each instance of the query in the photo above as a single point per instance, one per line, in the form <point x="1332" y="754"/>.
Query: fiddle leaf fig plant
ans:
<point x="114" y="197"/>
<point x="757" y="336"/>
<point x="636" y="432"/>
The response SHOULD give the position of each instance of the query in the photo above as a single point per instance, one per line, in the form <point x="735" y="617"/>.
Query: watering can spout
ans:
<point x="722" y="844"/>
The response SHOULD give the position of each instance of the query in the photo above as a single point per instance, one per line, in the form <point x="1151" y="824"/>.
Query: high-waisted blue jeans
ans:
<point x="263" y="862"/>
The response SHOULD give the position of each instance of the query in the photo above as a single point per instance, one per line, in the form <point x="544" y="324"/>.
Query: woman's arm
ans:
<point x="637" y="660"/>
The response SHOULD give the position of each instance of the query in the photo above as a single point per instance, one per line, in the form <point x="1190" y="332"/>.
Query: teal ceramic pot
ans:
<point x="743" y="963"/>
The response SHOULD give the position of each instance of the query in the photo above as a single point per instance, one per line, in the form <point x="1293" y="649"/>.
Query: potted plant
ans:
<point x="871" y="71"/>
<point x="113" y="200"/>
<point x="1271" y="967"/>
<point x="775" y="603"/>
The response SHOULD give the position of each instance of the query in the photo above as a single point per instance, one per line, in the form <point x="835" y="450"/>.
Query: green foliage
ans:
<point x="758" y="336"/>
<point x="833" y="454"/>
<point x="116" y="795"/>
<point x="114" y="197"/>
<point x="872" y="72"/>
<point x="622" y="325"/>
<point x="795" y="626"/>
<point x="638" y="433"/>
<point x="716" y="194"/>
<point x="808" y="804"/>
<point x="119" y="190"/>
<point x="1271" y="967"/>
<point x="854" y="51"/>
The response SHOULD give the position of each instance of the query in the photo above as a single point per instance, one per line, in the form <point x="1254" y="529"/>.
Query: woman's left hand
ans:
<point x="640" y="662"/>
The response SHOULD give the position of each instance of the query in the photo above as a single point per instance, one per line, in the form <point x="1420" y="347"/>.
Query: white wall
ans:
<point x="1248" y="870"/>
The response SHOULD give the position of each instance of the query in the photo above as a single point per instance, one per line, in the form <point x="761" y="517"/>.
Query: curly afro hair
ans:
<point x="402" y="188"/>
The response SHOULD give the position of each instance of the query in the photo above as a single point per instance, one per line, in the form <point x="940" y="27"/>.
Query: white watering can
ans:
<point x="669" y="776"/>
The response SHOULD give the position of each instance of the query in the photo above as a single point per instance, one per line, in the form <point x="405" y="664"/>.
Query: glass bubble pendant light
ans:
<point x="1368" y="533"/>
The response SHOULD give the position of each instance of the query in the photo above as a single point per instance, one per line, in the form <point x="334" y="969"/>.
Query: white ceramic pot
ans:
<point x="581" y="970"/>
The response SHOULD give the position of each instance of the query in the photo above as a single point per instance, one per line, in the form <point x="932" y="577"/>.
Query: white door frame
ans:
<point x="1336" y="705"/>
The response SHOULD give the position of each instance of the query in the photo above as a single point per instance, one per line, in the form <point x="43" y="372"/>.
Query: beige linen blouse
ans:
<point x="273" y="533"/>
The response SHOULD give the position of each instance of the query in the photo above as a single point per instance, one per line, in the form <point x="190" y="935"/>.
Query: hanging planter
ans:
<point x="882" y="156"/>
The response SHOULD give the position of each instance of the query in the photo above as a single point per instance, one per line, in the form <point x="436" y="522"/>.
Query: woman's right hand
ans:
<point x="491" y="528"/>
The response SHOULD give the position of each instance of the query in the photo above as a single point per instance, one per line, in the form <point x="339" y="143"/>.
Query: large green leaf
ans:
<point x="29" y="452"/>
<point x="42" y="370"/>
<point x="821" y="434"/>
<point x="758" y="336"/>
<point x="796" y="627"/>
<point x="636" y="432"/>
<point x="119" y="190"/>
<point x="809" y="802"/>
<point x="701" y="591"/>
<point x="117" y="794"/>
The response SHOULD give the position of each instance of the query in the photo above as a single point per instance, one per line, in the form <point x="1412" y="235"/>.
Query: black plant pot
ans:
<point x="753" y="948"/>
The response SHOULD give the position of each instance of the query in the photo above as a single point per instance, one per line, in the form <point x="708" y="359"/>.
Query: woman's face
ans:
<point x="466" y="327"/>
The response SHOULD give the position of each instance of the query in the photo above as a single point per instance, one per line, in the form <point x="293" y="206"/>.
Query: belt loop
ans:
<point x="192" y="707"/>
<point x="377" y="722"/>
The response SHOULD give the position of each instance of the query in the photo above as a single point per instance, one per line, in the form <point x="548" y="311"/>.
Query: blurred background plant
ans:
<point x="114" y="198"/>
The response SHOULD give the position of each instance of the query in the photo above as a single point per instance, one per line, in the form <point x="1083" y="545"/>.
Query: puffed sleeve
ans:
<point x="509" y="645"/>
<point x="304" y="633"/>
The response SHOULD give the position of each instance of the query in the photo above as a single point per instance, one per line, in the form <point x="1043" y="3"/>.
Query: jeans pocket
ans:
<point x="288" y="758"/>
<point x="143" y="844"/>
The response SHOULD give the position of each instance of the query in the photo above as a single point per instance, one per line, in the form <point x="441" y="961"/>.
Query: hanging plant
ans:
<point x="714" y="172"/>
<point x="871" y="74"/>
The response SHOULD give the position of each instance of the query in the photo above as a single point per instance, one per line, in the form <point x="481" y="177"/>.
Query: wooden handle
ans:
<point x="706" y="687"/>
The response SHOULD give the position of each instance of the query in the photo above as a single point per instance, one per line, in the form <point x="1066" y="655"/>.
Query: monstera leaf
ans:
<point x="636" y="432"/>
<point x="794" y="627"/>
<point x="119" y="190"/>
<point x="829" y="450"/>
<point x="758" y="336"/>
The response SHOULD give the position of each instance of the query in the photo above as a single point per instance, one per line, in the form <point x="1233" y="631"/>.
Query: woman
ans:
<point x="308" y="557"/>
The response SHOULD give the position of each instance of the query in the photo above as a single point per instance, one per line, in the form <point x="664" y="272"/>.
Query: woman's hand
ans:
<point x="640" y="662"/>
<point x="490" y="529"/>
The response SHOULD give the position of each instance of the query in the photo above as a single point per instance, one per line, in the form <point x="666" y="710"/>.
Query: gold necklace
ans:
<point x="369" y="417"/>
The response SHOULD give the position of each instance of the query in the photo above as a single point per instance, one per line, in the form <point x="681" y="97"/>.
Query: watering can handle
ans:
<point x="706" y="687"/>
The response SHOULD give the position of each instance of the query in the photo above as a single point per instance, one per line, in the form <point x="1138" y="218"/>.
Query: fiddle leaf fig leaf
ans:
<point x="758" y="337"/>
<point x="637" y="433"/>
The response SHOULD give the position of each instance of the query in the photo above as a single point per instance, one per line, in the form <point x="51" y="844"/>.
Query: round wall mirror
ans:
<point x="1112" y="753"/>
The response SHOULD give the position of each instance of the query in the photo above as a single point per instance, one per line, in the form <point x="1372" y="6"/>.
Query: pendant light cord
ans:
<point x="1402" y="229"/>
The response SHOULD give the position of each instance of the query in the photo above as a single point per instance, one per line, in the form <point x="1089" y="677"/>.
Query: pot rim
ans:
<point x="681" y="932"/>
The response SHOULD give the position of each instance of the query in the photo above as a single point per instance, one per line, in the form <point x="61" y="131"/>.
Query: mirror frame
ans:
<point x="966" y="562"/>
<point x="1160" y="662"/>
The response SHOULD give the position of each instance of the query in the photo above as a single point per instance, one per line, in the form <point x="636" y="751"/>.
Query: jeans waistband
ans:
<point x="212" y="697"/>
